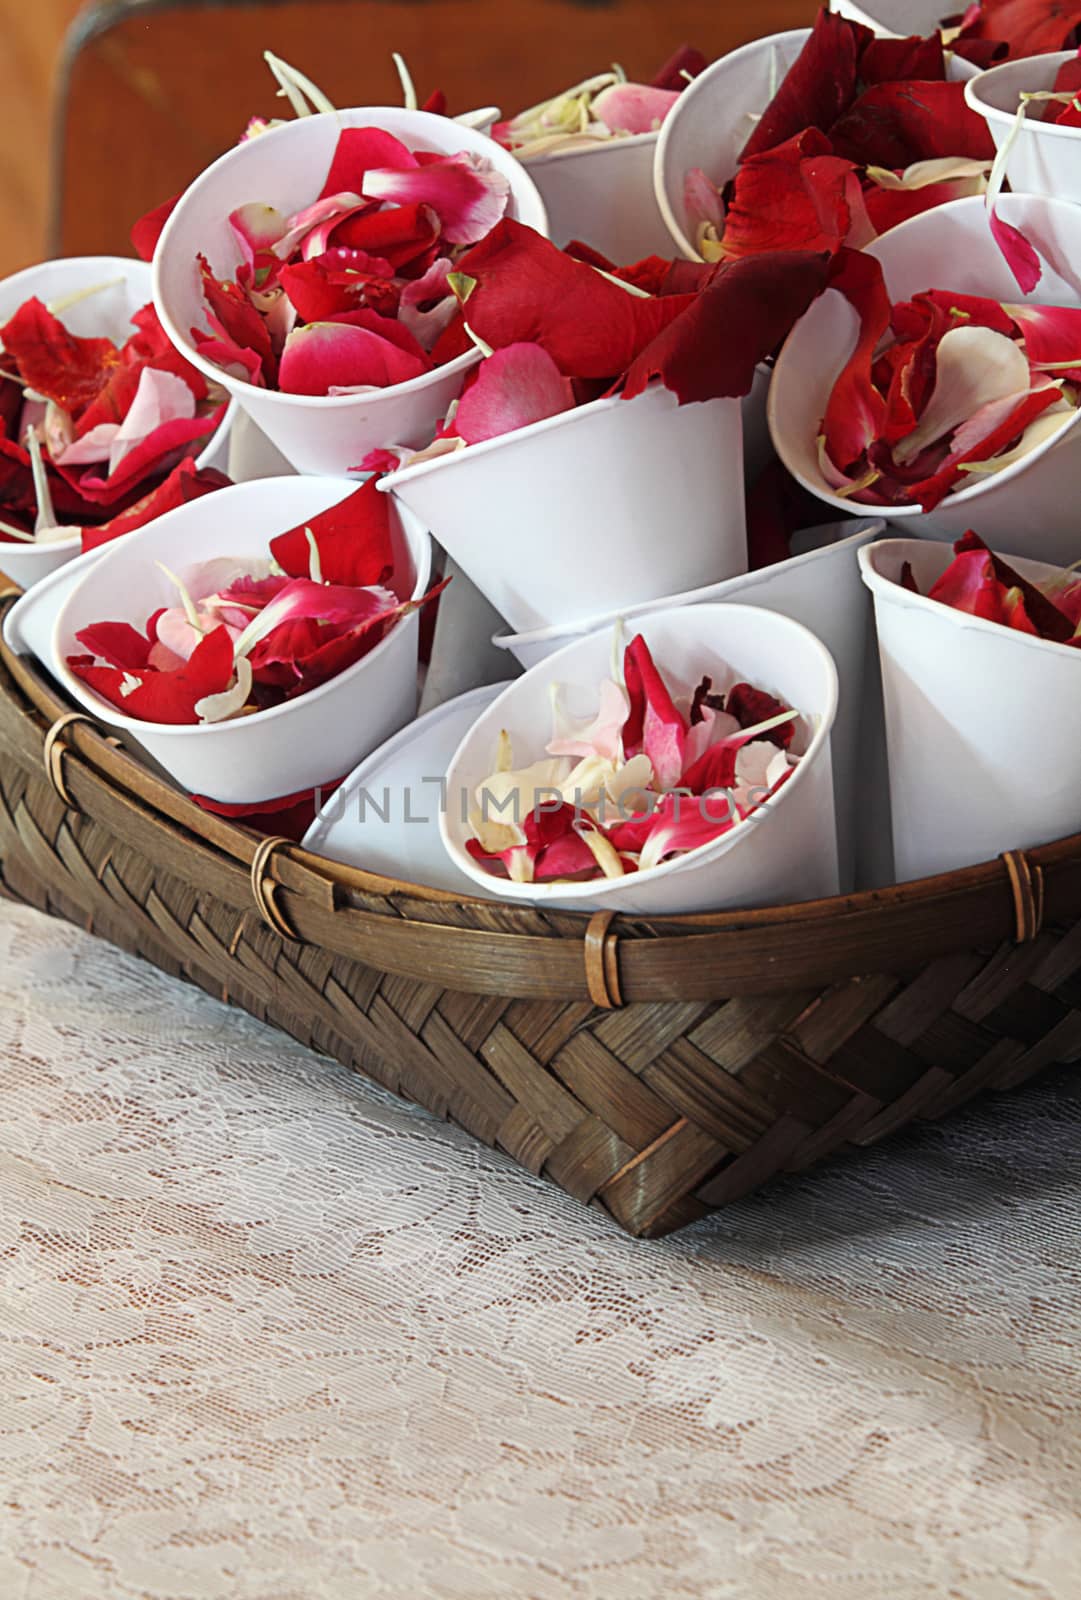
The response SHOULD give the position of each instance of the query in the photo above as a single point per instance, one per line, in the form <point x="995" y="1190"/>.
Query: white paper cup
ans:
<point x="1029" y="508"/>
<point x="983" y="724"/>
<point x="286" y="168"/>
<point x="1045" y="158"/>
<point x="820" y="589"/>
<point x="608" y="504"/>
<point x="293" y="746"/>
<point x="603" y="195"/>
<point x="898" y="19"/>
<point x="108" y="315"/>
<point x="786" y="851"/>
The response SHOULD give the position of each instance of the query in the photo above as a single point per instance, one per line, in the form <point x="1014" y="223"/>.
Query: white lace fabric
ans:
<point x="269" y="1334"/>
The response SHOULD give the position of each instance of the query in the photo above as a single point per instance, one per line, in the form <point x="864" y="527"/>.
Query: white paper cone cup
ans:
<point x="786" y="851"/>
<point x="1029" y="508"/>
<point x="294" y="746"/>
<point x="285" y="168"/>
<point x="603" y="195"/>
<point x="107" y="315"/>
<point x="610" y="504"/>
<point x="1045" y="158"/>
<point x="822" y="590"/>
<point x="983" y="724"/>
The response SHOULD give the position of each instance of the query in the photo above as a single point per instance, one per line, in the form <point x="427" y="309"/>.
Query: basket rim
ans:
<point x="493" y="947"/>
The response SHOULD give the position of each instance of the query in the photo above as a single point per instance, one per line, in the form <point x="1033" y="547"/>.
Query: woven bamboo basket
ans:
<point x="656" y="1069"/>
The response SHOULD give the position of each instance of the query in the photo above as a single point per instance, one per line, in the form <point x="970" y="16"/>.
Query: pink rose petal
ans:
<point x="516" y="386"/>
<point x="469" y="198"/>
<point x="633" y="107"/>
<point x="334" y="355"/>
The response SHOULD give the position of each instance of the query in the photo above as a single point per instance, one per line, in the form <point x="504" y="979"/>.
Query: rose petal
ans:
<point x="353" y="540"/>
<point x="896" y="124"/>
<point x="432" y="291"/>
<point x="796" y="196"/>
<point x="514" y="387"/>
<point x="653" y="724"/>
<point x="359" y="149"/>
<point x="974" y="368"/>
<point x="746" y="310"/>
<point x="57" y="364"/>
<point x="331" y="354"/>
<point x="856" y="412"/>
<point x="817" y="88"/>
<point x="152" y="454"/>
<point x="167" y="697"/>
<point x="633" y="107"/>
<point x="599" y="735"/>
<point x="148" y="230"/>
<point x="468" y="195"/>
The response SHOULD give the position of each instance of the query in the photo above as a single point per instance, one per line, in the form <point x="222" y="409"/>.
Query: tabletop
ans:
<point x="270" y="1334"/>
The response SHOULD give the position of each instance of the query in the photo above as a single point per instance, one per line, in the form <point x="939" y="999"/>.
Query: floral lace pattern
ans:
<point x="270" y="1334"/>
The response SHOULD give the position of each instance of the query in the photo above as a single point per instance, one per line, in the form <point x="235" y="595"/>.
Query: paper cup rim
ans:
<point x="986" y="483"/>
<point x="420" y="545"/>
<point x="992" y="113"/>
<point x="688" y="597"/>
<point x="409" y="474"/>
<point x="609" y="888"/>
<point x="664" y="133"/>
<point x="345" y="117"/>
<point x="893" y="594"/>
<point x="33" y="549"/>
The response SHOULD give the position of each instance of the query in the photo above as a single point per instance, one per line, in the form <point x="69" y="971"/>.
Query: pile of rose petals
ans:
<point x="563" y="331"/>
<point x="980" y="583"/>
<point x="250" y="634"/>
<point x="351" y="293"/>
<point x="599" y="109"/>
<point x="644" y="780"/>
<point x="942" y="388"/>
<point x="862" y="134"/>
<point x="116" y="429"/>
<point x="992" y="30"/>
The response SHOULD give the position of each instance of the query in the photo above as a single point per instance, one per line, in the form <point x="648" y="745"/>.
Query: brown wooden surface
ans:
<point x="32" y="34"/>
<point x="152" y="92"/>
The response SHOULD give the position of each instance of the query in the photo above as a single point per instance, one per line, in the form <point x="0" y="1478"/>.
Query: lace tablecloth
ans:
<point x="269" y="1334"/>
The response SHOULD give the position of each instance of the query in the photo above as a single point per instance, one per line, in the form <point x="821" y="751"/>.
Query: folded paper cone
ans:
<point x="1045" y="157"/>
<point x="822" y="590"/>
<point x="785" y="851"/>
<point x="108" y="315"/>
<point x="292" y="746"/>
<point x="983" y="724"/>
<point x="1028" y="508"/>
<point x="286" y="168"/>
<point x="602" y="193"/>
<point x="610" y="504"/>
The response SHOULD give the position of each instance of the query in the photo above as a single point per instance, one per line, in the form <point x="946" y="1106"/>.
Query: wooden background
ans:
<point x="113" y="106"/>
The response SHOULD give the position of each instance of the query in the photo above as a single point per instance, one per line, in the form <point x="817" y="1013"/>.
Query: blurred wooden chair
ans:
<point x="150" y="91"/>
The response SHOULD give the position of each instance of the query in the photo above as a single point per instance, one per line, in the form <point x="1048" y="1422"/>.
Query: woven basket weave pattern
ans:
<point x="747" y="1046"/>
